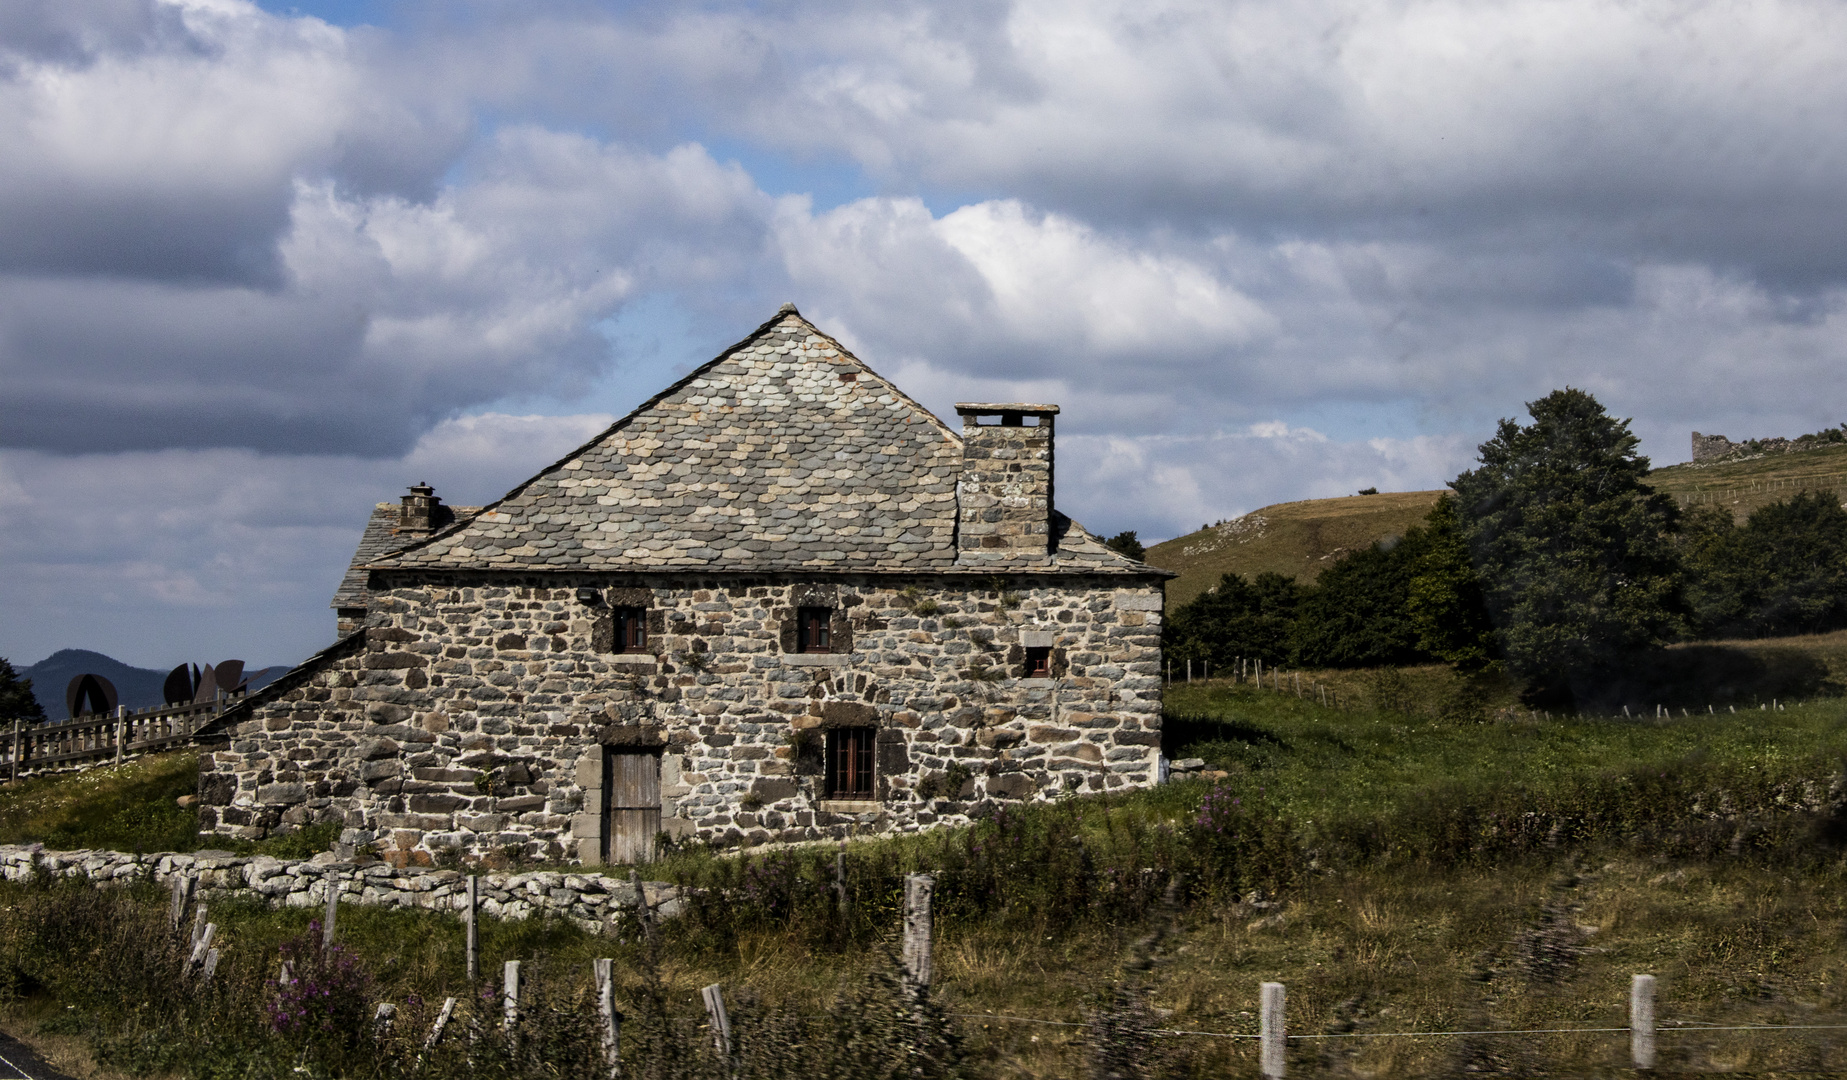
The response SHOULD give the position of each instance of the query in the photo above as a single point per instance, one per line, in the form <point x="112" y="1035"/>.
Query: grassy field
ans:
<point x="1400" y="870"/>
<point x="129" y="807"/>
<point x="1743" y="486"/>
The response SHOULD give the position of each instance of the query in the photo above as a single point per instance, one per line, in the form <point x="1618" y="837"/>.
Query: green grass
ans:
<point x="121" y="807"/>
<point x="1397" y="870"/>
<point x="131" y="807"/>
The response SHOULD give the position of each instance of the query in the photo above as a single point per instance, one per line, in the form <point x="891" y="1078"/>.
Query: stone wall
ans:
<point x="474" y="715"/>
<point x="1004" y="495"/>
<point x="1711" y="447"/>
<point x="598" y="904"/>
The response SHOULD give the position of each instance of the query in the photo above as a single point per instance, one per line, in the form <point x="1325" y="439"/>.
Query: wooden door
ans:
<point x="634" y="804"/>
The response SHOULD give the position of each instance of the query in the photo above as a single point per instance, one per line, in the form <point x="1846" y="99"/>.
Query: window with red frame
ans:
<point x="849" y="763"/>
<point x="631" y="629"/>
<point x="814" y="630"/>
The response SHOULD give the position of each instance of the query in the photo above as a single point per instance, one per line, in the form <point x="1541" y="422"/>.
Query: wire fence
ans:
<point x="1642" y="1029"/>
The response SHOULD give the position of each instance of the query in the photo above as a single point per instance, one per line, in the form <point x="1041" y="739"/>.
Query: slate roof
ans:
<point x="786" y="452"/>
<point x="375" y="541"/>
<point x="381" y="535"/>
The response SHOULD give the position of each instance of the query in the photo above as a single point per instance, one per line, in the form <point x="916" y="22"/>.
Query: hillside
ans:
<point x="1743" y="486"/>
<point x="1298" y="539"/>
<point x="1301" y="539"/>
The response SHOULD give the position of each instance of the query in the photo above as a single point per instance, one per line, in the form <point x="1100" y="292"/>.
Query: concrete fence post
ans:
<point x="1270" y="1027"/>
<point x="1642" y="1021"/>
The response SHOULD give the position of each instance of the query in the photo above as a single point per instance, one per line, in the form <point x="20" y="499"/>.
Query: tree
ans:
<point x="1575" y="553"/>
<point x="16" y="699"/>
<point x="1235" y="618"/>
<point x="1125" y="543"/>
<point x="1444" y="604"/>
<point x="1356" y="614"/>
<point x="1783" y="572"/>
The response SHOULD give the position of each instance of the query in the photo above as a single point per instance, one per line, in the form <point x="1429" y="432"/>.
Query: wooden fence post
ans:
<point x="840" y="880"/>
<point x="919" y="890"/>
<point x="333" y="910"/>
<point x="15" y="749"/>
<point x="442" y="1021"/>
<point x="211" y="965"/>
<point x="1642" y="1021"/>
<point x="121" y="729"/>
<point x="510" y="993"/>
<point x="198" y="923"/>
<point x="643" y="912"/>
<point x="606" y="1010"/>
<point x="182" y="892"/>
<point x="1271" y="1034"/>
<point x="474" y="900"/>
<point x="721" y="1024"/>
<point x="203" y="946"/>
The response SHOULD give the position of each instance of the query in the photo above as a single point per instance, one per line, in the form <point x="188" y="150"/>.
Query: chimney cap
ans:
<point x="422" y="488"/>
<point x="983" y="408"/>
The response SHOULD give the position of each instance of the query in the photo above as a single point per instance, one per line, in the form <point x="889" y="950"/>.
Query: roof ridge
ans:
<point x="783" y="314"/>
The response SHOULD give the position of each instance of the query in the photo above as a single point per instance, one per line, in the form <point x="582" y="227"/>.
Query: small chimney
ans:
<point x="1004" y="498"/>
<point x="423" y="510"/>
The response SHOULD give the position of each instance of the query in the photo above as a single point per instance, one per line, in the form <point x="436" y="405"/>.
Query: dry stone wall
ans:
<point x="598" y="904"/>
<point x="474" y="715"/>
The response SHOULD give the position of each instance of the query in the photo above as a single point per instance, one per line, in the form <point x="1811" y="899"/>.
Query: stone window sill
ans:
<point x="814" y="659"/>
<point x="634" y="659"/>
<point x="1038" y="684"/>
<point x="849" y="806"/>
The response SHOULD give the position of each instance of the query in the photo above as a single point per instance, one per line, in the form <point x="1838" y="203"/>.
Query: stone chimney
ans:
<point x="1004" y="498"/>
<point x="423" y="511"/>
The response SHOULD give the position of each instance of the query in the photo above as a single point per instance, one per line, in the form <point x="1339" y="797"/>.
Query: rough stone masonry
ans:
<point x="779" y="602"/>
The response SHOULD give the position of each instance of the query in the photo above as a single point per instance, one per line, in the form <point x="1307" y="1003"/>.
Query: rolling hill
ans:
<point x="1296" y="539"/>
<point x="1300" y="539"/>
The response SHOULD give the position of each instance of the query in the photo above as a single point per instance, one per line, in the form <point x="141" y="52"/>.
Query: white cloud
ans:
<point x="160" y="556"/>
<point x="1166" y="486"/>
<point x="1257" y="252"/>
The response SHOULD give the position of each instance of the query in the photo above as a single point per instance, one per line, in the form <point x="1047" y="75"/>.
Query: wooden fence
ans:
<point x="93" y="740"/>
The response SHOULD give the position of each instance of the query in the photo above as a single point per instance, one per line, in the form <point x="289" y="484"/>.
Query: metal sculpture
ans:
<point x="181" y="685"/>
<point x="90" y="694"/>
<point x="187" y="685"/>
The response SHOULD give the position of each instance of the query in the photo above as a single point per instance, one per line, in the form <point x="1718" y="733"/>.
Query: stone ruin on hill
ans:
<point x="1710" y="449"/>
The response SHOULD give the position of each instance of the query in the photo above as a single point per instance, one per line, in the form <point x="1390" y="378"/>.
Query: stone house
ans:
<point x="780" y="601"/>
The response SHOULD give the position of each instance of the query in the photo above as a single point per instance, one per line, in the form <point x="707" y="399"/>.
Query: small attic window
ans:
<point x="849" y="376"/>
<point x="814" y="630"/>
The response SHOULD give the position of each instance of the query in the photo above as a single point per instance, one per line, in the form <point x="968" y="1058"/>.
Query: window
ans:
<point x="812" y="630"/>
<point x="631" y="629"/>
<point x="849" y="763"/>
<point x="1039" y="661"/>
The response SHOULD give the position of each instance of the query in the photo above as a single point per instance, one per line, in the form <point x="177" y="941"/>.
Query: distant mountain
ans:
<point x="137" y="688"/>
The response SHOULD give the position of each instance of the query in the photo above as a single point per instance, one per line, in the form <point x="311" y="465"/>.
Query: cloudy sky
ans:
<point x="263" y="265"/>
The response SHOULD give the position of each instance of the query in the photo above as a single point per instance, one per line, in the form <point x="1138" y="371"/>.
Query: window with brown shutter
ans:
<point x="1039" y="661"/>
<point x="631" y="629"/>
<point x="813" y="630"/>
<point x="849" y="763"/>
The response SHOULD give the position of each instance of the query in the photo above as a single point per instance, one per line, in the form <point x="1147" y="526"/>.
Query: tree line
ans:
<point x="1552" y="560"/>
